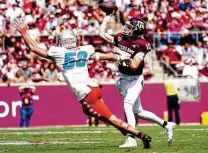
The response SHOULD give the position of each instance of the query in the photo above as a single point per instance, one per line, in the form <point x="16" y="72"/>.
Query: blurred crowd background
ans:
<point x="177" y="30"/>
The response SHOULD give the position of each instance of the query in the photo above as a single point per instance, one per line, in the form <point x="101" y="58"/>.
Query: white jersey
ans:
<point x="73" y="65"/>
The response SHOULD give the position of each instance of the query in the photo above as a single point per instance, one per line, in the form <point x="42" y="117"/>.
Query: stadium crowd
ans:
<point x="177" y="30"/>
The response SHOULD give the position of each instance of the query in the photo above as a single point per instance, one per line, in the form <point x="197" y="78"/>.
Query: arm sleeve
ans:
<point x="90" y="50"/>
<point x="115" y="40"/>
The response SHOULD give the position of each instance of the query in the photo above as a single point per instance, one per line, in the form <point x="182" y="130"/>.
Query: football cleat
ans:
<point x="130" y="143"/>
<point x="146" y="141"/>
<point x="169" y="130"/>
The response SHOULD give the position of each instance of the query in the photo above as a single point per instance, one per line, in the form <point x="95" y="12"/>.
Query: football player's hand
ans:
<point x="20" y="26"/>
<point x="108" y="17"/>
<point x="125" y="62"/>
<point x="111" y="13"/>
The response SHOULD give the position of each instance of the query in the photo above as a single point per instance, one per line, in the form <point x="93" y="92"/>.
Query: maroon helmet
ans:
<point x="134" y="27"/>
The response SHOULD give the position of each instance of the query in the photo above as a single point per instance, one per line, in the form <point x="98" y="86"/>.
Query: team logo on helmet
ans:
<point x="67" y="39"/>
<point x="119" y="38"/>
<point x="134" y="27"/>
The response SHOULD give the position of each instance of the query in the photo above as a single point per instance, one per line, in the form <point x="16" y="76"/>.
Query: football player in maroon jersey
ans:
<point x="133" y="47"/>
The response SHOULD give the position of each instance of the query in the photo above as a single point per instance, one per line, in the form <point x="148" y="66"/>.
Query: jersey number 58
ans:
<point x="70" y="60"/>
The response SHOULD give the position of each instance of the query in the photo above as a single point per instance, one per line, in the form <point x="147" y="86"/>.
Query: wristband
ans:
<point x="23" y="31"/>
<point x="118" y="58"/>
<point x="97" y="56"/>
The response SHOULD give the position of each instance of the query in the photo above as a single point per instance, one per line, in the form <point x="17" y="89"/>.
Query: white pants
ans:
<point x="130" y="88"/>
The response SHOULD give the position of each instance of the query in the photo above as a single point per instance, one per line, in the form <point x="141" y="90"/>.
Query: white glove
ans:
<point x="108" y="17"/>
<point x="125" y="62"/>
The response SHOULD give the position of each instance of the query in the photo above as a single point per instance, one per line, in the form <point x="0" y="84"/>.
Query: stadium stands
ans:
<point x="178" y="31"/>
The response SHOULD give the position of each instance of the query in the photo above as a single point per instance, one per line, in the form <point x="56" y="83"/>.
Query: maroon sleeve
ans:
<point x="142" y="46"/>
<point x="116" y="37"/>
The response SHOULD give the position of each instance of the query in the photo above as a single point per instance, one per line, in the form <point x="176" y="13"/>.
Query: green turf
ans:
<point x="187" y="139"/>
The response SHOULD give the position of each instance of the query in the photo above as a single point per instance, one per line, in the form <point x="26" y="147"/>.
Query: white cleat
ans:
<point x="169" y="129"/>
<point x="130" y="143"/>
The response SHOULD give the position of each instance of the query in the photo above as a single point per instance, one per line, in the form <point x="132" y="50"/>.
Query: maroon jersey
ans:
<point x="26" y="96"/>
<point x="131" y="46"/>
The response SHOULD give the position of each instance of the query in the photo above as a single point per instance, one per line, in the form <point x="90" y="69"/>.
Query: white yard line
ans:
<point x="58" y="127"/>
<point x="83" y="132"/>
<point x="56" y="132"/>
<point x="201" y="129"/>
<point x="100" y="127"/>
<point x="44" y="142"/>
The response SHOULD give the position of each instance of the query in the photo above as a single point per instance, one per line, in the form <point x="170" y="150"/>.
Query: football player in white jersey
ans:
<point x="72" y="61"/>
<point x="130" y="83"/>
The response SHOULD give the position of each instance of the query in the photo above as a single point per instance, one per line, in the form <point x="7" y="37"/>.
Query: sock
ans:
<point x="164" y="124"/>
<point x="140" y="135"/>
<point x="131" y="135"/>
<point x="149" y="116"/>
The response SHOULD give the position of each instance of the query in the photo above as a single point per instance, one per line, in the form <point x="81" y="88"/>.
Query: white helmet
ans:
<point x="67" y="39"/>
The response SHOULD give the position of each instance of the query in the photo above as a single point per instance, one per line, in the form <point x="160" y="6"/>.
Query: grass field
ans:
<point x="187" y="139"/>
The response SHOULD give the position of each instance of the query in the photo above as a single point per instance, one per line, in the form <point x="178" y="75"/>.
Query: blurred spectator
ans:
<point x="26" y="71"/>
<point x="186" y="5"/>
<point x="187" y="20"/>
<point x="204" y="71"/>
<point x="190" y="69"/>
<point x="19" y="78"/>
<point x="13" y="11"/>
<point x="199" y="52"/>
<point x="51" y="73"/>
<point x="172" y="89"/>
<point x="171" y="57"/>
<point x="175" y="26"/>
<point x="147" y="72"/>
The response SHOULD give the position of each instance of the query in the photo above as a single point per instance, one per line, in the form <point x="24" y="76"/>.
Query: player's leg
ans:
<point x="29" y="115"/>
<point x="99" y="108"/>
<point x="90" y="100"/>
<point x="133" y="91"/>
<point x="122" y="85"/>
<point x="93" y="105"/>
<point x="170" y="109"/>
<point x="23" y="116"/>
<point x="177" y="116"/>
<point x="125" y="126"/>
<point x="151" y="117"/>
<point x="176" y="109"/>
<point x="140" y="113"/>
<point x="96" y="121"/>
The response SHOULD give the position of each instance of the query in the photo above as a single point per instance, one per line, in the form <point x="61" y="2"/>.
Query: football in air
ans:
<point x="108" y="7"/>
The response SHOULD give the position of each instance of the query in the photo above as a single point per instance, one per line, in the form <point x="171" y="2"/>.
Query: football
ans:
<point x="108" y="7"/>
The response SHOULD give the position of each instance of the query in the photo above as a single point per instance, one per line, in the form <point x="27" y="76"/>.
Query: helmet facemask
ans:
<point x="128" y="29"/>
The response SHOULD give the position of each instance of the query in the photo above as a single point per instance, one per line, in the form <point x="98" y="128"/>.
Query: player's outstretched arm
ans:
<point x="32" y="44"/>
<point x="103" y="29"/>
<point x="101" y="56"/>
